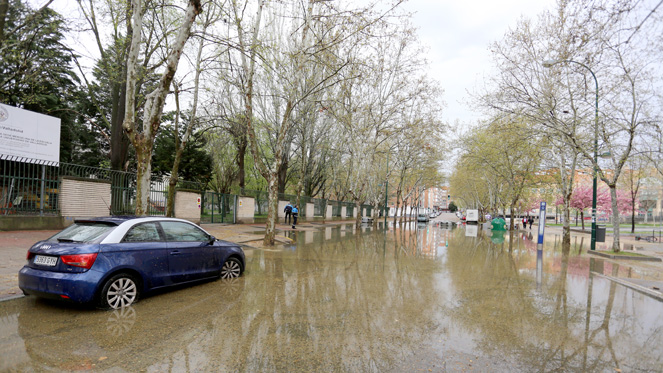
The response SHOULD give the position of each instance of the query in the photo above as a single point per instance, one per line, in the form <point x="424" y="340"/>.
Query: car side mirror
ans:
<point x="211" y="239"/>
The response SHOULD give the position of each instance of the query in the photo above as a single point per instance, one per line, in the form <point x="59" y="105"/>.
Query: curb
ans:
<point x="625" y="257"/>
<point x="641" y="289"/>
<point x="12" y="297"/>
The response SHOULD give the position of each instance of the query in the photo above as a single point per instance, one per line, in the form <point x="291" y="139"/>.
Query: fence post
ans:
<point x="41" y="197"/>
<point x="235" y="209"/>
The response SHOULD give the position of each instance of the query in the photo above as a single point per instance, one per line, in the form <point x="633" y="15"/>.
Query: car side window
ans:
<point x="146" y="232"/>
<point x="183" y="232"/>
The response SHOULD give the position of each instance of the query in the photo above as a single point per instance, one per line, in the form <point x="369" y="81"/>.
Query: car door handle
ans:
<point x="176" y="252"/>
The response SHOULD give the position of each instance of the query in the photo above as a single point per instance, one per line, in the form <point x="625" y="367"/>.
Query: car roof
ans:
<point x="117" y="220"/>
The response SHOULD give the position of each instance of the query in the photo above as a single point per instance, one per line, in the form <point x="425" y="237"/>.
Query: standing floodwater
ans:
<point x="417" y="297"/>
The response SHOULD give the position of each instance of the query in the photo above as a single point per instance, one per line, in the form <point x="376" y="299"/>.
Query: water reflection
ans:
<point x="363" y="299"/>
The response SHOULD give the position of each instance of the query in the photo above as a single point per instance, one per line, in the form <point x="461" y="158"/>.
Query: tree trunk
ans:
<point x="143" y="173"/>
<point x="272" y="210"/>
<point x="633" y="215"/>
<point x="582" y="217"/>
<point x="512" y="208"/>
<point x="615" y="219"/>
<point x="359" y="213"/>
<point x="396" y="211"/>
<point x="566" y="230"/>
<point x="119" y="147"/>
<point x="576" y="218"/>
<point x="170" y="199"/>
<point x="282" y="175"/>
<point x="241" y="155"/>
<point x="4" y="8"/>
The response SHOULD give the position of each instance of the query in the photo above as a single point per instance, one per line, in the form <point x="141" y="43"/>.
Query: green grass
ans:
<point x="623" y="253"/>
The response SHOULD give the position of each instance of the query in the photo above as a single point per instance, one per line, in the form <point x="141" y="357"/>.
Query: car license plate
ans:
<point x="49" y="261"/>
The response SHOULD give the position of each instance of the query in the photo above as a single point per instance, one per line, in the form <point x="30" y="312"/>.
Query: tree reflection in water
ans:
<point x="349" y="299"/>
<point x="539" y="330"/>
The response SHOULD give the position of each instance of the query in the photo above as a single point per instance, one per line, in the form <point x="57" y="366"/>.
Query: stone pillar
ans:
<point x="344" y="212"/>
<point x="246" y="210"/>
<point x="282" y="205"/>
<point x="328" y="212"/>
<point x="308" y="236"/>
<point x="310" y="210"/>
<point x="84" y="198"/>
<point x="354" y="212"/>
<point x="187" y="206"/>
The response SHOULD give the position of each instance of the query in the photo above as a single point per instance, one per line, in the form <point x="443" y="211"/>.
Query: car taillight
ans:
<point x="29" y="255"/>
<point x="80" y="260"/>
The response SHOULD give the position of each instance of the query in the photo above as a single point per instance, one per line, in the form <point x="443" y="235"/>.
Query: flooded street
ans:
<point x="338" y="299"/>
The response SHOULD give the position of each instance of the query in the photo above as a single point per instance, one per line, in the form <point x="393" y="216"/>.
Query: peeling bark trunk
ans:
<point x="615" y="219"/>
<point x="359" y="213"/>
<point x="566" y="230"/>
<point x="143" y="141"/>
<point x="143" y="173"/>
<point x="272" y="211"/>
<point x="632" y="216"/>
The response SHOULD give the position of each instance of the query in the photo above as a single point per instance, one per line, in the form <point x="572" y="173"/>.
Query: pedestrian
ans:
<point x="288" y="212"/>
<point x="295" y="213"/>
<point x="524" y="222"/>
<point x="531" y="221"/>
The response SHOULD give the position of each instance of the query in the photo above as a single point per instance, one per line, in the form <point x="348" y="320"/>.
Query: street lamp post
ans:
<point x="550" y="63"/>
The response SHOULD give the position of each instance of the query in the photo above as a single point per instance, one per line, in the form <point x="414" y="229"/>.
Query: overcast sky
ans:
<point x="458" y="34"/>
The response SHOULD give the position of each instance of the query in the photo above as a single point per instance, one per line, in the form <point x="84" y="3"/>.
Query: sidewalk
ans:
<point x="14" y="245"/>
<point x="645" y="277"/>
<point x="627" y="240"/>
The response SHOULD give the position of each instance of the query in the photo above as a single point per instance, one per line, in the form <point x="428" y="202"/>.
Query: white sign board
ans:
<point x="28" y="134"/>
<point x="472" y="215"/>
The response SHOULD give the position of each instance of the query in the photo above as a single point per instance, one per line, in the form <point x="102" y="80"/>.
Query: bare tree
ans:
<point x="143" y="138"/>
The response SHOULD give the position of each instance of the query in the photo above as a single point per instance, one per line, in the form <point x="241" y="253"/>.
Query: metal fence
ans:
<point x="28" y="188"/>
<point x="31" y="187"/>
<point x="319" y="204"/>
<point x="218" y="208"/>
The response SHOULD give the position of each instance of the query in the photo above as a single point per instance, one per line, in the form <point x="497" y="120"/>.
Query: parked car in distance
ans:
<point x="112" y="261"/>
<point x="422" y="218"/>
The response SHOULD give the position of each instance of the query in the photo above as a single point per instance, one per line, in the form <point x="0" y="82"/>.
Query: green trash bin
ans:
<point x="600" y="233"/>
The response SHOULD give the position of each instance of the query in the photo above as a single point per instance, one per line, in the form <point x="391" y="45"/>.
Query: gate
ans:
<point x="218" y="208"/>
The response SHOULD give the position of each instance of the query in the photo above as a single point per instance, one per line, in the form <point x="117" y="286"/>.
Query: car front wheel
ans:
<point x="119" y="291"/>
<point x="232" y="268"/>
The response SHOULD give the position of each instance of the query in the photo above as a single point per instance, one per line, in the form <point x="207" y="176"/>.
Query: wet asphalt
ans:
<point x="337" y="298"/>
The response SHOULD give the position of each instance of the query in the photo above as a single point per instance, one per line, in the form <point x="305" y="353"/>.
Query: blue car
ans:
<point x="112" y="261"/>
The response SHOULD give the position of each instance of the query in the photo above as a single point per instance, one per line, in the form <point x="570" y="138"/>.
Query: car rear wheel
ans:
<point x="232" y="268"/>
<point x="119" y="291"/>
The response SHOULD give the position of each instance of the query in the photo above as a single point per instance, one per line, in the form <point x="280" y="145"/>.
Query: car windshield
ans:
<point x="83" y="232"/>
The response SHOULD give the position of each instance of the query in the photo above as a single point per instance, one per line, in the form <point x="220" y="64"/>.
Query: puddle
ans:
<point x="347" y="299"/>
